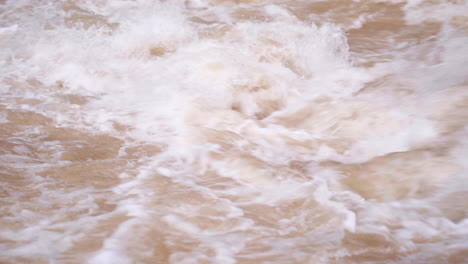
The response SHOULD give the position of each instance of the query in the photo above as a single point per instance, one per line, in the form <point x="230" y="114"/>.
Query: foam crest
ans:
<point x="220" y="132"/>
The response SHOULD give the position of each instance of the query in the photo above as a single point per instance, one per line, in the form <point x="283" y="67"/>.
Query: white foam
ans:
<point x="228" y="107"/>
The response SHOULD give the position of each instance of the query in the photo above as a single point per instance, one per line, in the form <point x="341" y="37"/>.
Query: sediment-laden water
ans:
<point x="234" y="131"/>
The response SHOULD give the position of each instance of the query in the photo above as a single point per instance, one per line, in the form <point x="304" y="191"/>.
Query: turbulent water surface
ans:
<point x="297" y="131"/>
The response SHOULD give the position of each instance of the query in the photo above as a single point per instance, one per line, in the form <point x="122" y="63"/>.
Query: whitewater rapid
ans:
<point x="233" y="131"/>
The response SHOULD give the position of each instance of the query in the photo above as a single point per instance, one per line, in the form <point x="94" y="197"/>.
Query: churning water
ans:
<point x="297" y="131"/>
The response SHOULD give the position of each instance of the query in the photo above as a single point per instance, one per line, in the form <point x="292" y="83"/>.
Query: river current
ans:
<point x="295" y="131"/>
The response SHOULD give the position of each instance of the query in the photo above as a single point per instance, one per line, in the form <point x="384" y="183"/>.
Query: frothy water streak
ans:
<point x="233" y="131"/>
